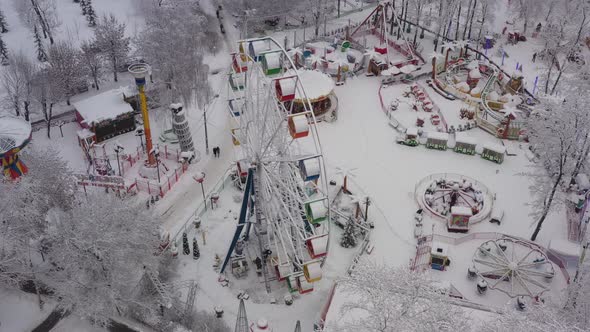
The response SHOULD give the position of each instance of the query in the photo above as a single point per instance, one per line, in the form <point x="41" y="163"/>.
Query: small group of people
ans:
<point x="216" y="152"/>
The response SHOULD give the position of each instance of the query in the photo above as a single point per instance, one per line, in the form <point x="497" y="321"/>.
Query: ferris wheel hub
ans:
<point x="513" y="266"/>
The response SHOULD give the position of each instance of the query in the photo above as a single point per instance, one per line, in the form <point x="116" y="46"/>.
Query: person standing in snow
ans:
<point x="534" y="56"/>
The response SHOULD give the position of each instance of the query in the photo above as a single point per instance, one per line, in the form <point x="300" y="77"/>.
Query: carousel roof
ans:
<point x="315" y="83"/>
<point x="14" y="133"/>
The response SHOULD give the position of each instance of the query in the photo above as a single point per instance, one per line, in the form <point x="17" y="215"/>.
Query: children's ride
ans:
<point x="514" y="267"/>
<point x="15" y="134"/>
<point x="281" y="163"/>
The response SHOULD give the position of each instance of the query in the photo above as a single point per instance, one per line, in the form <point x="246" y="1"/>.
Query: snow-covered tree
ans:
<point x="527" y="11"/>
<point x="572" y="27"/>
<point x="90" y="14"/>
<point x="24" y="207"/>
<point x="99" y="249"/>
<point x="83" y="6"/>
<point x="17" y="82"/>
<point x="559" y="138"/>
<point x="45" y="95"/>
<point x="3" y="24"/>
<point x="13" y="84"/>
<point x="91" y="59"/>
<point x="111" y="40"/>
<point x="65" y="70"/>
<point x="177" y="63"/>
<point x="45" y="12"/>
<point x="577" y="308"/>
<point x="384" y="298"/>
<point x="41" y="54"/>
<point x="3" y="53"/>
<point x="319" y="9"/>
<point x="348" y="237"/>
<point x="536" y="317"/>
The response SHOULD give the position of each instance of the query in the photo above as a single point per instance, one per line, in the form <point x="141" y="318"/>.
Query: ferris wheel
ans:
<point x="514" y="267"/>
<point x="280" y="161"/>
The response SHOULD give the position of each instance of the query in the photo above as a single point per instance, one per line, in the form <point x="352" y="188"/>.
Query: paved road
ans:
<point x="69" y="116"/>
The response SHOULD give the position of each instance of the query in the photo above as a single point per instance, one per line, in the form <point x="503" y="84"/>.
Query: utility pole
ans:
<point x="338" y="8"/>
<point x="367" y="203"/>
<point x="200" y="178"/>
<point x="205" y="120"/>
<point x="118" y="150"/>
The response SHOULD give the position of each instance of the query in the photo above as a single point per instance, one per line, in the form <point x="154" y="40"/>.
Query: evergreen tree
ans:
<point x="348" y="238"/>
<point x="83" y="6"/>
<point x="90" y="14"/>
<point x="185" y="248"/>
<point x="3" y="24"/>
<point x="111" y="40"/>
<point x="41" y="54"/>
<point x="196" y="252"/>
<point x="3" y="53"/>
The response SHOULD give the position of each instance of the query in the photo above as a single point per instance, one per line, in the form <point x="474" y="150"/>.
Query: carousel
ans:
<point x="15" y="133"/>
<point x="319" y="91"/>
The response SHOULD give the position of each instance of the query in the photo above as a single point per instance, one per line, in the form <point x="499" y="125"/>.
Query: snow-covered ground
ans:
<point x="73" y="26"/>
<point x="19" y="311"/>
<point x="361" y="138"/>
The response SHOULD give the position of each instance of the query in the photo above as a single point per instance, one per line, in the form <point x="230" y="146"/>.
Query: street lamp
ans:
<point x="139" y="134"/>
<point x="200" y="177"/>
<point x="156" y="153"/>
<point x="119" y="149"/>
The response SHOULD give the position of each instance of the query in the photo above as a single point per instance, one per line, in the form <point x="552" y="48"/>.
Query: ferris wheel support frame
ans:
<point x="252" y="182"/>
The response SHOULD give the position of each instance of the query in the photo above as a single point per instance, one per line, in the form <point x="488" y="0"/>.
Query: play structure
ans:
<point x="284" y="211"/>
<point x="501" y="100"/>
<point x="386" y="52"/>
<point x="458" y="200"/>
<point x="513" y="266"/>
<point x="181" y="128"/>
<point x="15" y="134"/>
<point x="439" y="256"/>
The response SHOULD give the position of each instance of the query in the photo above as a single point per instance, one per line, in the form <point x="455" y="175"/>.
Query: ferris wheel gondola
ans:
<point x="279" y="158"/>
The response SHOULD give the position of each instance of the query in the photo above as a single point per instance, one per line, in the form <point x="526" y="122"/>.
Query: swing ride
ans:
<point x="15" y="134"/>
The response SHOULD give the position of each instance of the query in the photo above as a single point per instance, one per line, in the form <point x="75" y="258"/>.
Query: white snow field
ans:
<point x="360" y="139"/>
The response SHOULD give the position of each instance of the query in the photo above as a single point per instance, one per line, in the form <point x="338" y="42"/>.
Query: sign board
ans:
<point x="100" y="181"/>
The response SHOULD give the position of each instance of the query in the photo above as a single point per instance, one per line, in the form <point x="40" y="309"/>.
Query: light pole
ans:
<point x="118" y="150"/>
<point x="156" y="153"/>
<point x="205" y="120"/>
<point x="200" y="177"/>
<point x="139" y="134"/>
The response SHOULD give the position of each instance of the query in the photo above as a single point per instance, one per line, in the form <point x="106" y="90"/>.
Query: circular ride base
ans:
<point x="436" y="194"/>
<point x="513" y="266"/>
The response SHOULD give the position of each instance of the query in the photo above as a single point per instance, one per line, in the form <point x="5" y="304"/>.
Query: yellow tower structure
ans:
<point x="139" y="72"/>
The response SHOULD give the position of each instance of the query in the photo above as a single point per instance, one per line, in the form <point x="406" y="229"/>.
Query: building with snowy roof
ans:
<point x="106" y="115"/>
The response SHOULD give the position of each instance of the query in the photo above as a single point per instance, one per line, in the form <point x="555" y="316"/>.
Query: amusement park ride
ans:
<point x="139" y="72"/>
<point x="285" y="202"/>
<point x="15" y="134"/>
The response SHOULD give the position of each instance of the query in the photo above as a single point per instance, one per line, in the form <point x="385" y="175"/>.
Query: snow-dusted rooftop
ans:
<point x="461" y="211"/>
<point x="104" y="106"/>
<point x="465" y="139"/>
<point x="438" y="136"/>
<point x="495" y="147"/>
<point x="315" y="83"/>
<point x="14" y="132"/>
